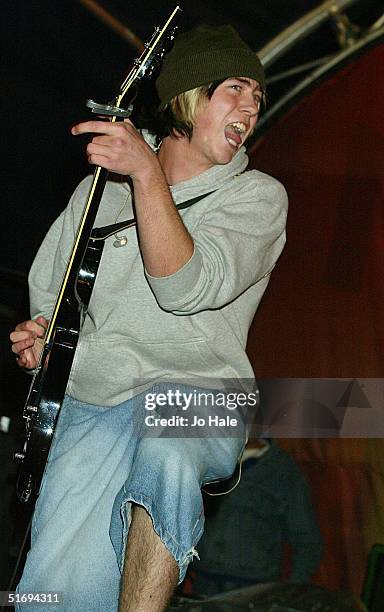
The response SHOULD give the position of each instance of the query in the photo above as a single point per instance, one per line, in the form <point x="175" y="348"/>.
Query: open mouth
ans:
<point x="234" y="133"/>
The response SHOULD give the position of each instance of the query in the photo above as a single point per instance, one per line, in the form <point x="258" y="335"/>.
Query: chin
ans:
<point x="226" y="156"/>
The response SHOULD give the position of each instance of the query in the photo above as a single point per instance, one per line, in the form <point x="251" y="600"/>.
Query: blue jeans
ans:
<point x="99" y="464"/>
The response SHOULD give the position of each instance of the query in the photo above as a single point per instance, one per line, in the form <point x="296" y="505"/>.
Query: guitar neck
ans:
<point x="68" y="286"/>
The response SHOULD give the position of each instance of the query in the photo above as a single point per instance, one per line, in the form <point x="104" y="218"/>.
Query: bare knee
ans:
<point x="150" y="572"/>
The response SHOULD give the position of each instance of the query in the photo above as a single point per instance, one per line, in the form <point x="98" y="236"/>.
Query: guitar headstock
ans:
<point x="153" y="54"/>
<point x="151" y="65"/>
<point x="145" y="65"/>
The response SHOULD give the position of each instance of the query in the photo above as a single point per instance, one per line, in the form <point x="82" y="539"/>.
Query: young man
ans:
<point x="175" y="302"/>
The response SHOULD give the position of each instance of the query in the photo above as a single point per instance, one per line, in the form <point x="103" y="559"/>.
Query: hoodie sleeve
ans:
<point x="236" y="244"/>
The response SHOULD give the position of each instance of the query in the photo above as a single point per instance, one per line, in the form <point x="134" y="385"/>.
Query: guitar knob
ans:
<point x="19" y="456"/>
<point x="31" y="409"/>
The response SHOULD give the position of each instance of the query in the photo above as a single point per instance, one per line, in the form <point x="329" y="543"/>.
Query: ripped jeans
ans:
<point x="98" y="466"/>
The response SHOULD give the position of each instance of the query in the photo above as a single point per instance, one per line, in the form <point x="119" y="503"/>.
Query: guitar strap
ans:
<point x="101" y="233"/>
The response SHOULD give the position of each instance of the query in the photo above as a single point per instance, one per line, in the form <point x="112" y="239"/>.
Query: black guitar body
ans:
<point x="49" y="383"/>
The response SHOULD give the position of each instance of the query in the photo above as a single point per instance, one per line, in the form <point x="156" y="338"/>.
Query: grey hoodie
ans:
<point x="192" y="324"/>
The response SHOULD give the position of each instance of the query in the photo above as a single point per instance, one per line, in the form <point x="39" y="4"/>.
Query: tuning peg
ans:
<point x="30" y="409"/>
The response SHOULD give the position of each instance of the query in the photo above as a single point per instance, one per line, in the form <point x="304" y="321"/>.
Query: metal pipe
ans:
<point x="298" y="69"/>
<point x="300" y="29"/>
<point x="371" y="38"/>
<point x="113" y="23"/>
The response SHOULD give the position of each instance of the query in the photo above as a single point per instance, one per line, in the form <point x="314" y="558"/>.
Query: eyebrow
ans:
<point x="248" y="82"/>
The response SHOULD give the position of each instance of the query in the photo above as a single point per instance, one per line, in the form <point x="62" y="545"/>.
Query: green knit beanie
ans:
<point x="203" y="55"/>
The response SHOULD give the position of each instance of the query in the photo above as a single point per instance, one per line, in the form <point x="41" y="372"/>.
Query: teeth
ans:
<point x="239" y="127"/>
<point x="232" y="142"/>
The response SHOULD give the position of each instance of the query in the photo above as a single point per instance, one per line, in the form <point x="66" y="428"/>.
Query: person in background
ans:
<point x="246" y="529"/>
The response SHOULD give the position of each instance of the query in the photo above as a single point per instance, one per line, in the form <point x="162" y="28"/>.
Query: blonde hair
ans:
<point x="186" y="106"/>
<point x="180" y="114"/>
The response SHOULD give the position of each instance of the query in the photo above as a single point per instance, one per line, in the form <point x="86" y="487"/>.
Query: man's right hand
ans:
<point x="27" y="341"/>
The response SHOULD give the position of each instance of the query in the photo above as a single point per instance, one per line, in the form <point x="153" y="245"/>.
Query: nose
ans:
<point x="250" y="105"/>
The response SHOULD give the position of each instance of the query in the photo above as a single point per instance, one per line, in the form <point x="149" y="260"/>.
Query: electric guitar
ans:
<point x="50" y="378"/>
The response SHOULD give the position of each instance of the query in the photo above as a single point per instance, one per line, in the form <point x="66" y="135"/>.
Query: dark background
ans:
<point x="56" y="54"/>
